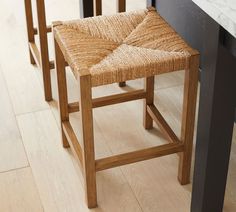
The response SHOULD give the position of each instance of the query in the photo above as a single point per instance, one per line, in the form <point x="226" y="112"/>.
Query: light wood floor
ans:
<point x="37" y="174"/>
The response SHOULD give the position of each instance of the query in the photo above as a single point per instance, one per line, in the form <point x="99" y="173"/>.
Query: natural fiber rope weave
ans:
<point x="122" y="47"/>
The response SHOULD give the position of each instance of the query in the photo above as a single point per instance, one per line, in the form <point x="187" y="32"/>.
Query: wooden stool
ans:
<point x="110" y="49"/>
<point x="40" y="56"/>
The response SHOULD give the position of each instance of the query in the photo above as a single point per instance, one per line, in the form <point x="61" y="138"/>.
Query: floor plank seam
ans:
<point x="132" y="190"/>
<point x="33" y="111"/>
<point x="120" y="168"/>
<point x="168" y="87"/>
<point x="12" y="170"/>
<point x="15" y="119"/>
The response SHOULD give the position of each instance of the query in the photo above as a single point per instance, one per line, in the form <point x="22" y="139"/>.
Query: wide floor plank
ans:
<point x="12" y="153"/>
<point x="18" y="192"/>
<point x="21" y="79"/>
<point x="60" y="187"/>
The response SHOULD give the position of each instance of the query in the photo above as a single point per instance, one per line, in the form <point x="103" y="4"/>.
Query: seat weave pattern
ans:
<point x="122" y="47"/>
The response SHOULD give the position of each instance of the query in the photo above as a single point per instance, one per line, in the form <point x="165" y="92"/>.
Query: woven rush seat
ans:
<point x="107" y="49"/>
<point x="122" y="47"/>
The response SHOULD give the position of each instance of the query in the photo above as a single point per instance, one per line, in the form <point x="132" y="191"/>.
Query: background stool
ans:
<point x="121" y="6"/>
<point x="40" y="56"/>
<point x="148" y="46"/>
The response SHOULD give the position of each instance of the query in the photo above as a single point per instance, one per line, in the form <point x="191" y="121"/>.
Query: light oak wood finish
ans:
<point x="73" y="141"/>
<point x="39" y="56"/>
<point x="12" y="153"/>
<point x="118" y="98"/>
<point x="140" y="155"/>
<point x="30" y="29"/>
<point x="34" y="53"/>
<point x="187" y="127"/>
<point x="48" y="28"/>
<point x="121" y="8"/>
<point x="161" y="122"/>
<point x="44" y="56"/>
<point x="111" y="100"/>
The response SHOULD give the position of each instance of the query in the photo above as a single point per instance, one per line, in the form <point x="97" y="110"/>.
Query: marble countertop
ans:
<point x="222" y="11"/>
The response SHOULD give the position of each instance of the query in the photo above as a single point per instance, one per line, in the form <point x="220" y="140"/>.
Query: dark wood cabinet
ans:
<point x="195" y="26"/>
<point x="217" y="99"/>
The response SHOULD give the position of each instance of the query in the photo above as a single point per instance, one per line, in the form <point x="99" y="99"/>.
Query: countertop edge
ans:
<point x="218" y="15"/>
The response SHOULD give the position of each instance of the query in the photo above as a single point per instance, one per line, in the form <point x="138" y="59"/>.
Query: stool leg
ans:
<point x="44" y="56"/>
<point x="188" y="119"/>
<point x="122" y="84"/>
<point x="30" y="27"/>
<point x="149" y="88"/>
<point x="62" y="90"/>
<point x="88" y="139"/>
<point x="121" y="6"/>
<point x="97" y="7"/>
